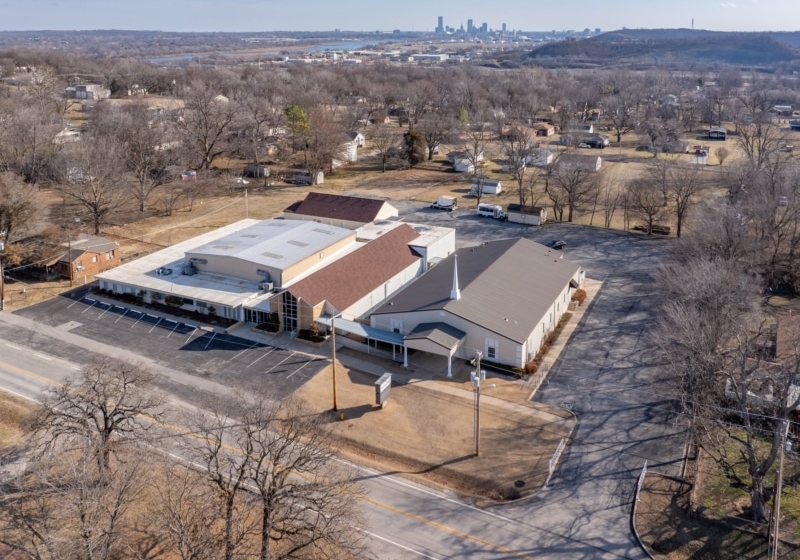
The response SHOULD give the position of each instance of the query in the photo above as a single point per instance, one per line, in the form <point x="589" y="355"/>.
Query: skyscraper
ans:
<point x="470" y="28"/>
<point x="504" y="28"/>
<point x="440" y="27"/>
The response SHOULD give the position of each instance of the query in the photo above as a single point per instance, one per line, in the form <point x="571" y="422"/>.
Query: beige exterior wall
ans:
<point x="300" y="267"/>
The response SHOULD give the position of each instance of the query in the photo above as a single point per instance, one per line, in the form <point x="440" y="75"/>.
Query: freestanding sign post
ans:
<point x="383" y="386"/>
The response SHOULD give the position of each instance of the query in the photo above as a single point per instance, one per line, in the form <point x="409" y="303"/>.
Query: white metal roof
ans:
<point x="274" y="243"/>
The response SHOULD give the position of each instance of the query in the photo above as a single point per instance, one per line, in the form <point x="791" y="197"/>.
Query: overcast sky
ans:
<point x="417" y="15"/>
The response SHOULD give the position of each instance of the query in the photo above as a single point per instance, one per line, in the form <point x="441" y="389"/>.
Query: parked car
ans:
<point x="7" y="279"/>
<point x="557" y="244"/>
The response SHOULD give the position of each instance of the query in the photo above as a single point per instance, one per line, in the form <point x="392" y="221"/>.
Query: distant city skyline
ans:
<point x="414" y="15"/>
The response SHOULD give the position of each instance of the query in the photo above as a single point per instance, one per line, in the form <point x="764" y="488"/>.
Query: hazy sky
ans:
<point x="417" y="15"/>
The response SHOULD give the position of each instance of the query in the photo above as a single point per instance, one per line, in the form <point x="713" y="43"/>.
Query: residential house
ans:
<point x="543" y="129"/>
<point x="90" y="92"/>
<point x="358" y="138"/>
<point x="87" y="255"/>
<point x="580" y="161"/>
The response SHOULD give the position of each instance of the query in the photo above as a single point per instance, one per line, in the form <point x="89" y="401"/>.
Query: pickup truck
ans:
<point x="448" y="203"/>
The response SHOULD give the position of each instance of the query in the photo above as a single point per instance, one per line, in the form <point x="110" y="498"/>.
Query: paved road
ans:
<point x="606" y="375"/>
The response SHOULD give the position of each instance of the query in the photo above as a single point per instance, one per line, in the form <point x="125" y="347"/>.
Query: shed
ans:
<point x="490" y="186"/>
<point x="463" y="165"/>
<point x="529" y="215"/>
<point x="543" y="129"/>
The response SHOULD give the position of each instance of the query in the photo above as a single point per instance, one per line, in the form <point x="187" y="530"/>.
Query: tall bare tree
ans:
<point x="204" y="122"/>
<point x="646" y="200"/>
<point x="573" y="186"/>
<point x="92" y="179"/>
<point x="518" y="146"/>
<point x="105" y="403"/>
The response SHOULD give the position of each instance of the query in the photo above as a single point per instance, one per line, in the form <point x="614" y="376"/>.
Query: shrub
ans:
<point x="579" y="295"/>
<point x="173" y="301"/>
<point x="531" y="367"/>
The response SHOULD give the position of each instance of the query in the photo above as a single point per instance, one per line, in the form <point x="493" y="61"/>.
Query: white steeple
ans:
<point x="455" y="293"/>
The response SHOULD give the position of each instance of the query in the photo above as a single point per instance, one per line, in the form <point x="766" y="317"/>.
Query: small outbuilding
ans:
<point x="528" y="215"/>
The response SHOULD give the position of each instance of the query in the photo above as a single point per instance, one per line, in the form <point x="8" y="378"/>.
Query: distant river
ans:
<point x="335" y="46"/>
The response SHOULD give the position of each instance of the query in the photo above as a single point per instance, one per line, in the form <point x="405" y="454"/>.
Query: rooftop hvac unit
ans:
<point x="267" y="286"/>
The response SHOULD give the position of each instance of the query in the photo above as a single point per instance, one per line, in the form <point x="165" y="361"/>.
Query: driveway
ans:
<point x="610" y="375"/>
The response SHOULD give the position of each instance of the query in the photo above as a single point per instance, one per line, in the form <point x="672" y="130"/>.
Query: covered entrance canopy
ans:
<point x="435" y="338"/>
<point x="364" y="331"/>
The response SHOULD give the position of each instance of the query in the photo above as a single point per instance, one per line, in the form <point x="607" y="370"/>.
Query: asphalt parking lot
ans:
<point x="181" y="345"/>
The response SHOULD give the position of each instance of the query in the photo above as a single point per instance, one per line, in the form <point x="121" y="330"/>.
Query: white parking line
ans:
<point x="88" y="308"/>
<point x="264" y="355"/>
<point x="242" y="352"/>
<point x="289" y="357"/>
<point x="42" y="356"/>
<point x="154" y="326"/>
<point x="12" y="346"/>
<point x="123" y="314"/>
<point x="298" y="369"/>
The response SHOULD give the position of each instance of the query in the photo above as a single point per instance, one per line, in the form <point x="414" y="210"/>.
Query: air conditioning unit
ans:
<point x="267" y="286"/>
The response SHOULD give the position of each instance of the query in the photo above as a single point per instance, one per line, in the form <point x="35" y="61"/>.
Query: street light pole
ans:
<point x="333" y="359"/>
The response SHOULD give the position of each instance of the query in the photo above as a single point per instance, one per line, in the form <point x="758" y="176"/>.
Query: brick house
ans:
<point x="87" y="255"/>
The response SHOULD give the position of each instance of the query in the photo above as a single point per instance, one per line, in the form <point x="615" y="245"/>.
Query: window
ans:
<point x="491" y="349"/>
<point x="199" y="303"/>
<point x="187" y="301"/>
<point x="94" y="258"/>
<point x="397" y="325"/>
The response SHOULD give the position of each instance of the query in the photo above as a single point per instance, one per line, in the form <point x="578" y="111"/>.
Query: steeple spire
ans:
<point x="455" y="293"/>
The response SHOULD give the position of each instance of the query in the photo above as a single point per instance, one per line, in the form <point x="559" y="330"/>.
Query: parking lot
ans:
<point x="181" y="345"/>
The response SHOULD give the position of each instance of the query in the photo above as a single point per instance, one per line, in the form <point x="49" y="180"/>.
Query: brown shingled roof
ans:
<point x="344" y="282"/>
<point x="338" y="207"/>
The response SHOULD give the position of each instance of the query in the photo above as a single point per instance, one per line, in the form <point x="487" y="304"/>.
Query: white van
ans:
<point x="492" y="211"/>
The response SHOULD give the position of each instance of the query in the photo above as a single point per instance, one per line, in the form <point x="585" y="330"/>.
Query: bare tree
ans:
<point x="573" y="186"/>
<point x="59" y="509"/>
<point x="144" y="143"/>
<point x="185" y="515"/>
<point x="307" y="500"/>
<point x="93" y="180"/>
<point x="474" y="147"/>
<point x="203" y="124"/>
<point x="518" y="147"/>
<point x="646" y="200"/>
<point x="324" y="144"/>
<point x="437" y="127"/>
<point x="737" y="394"/>
<point x="20" y="208"/>
<point x="227" y="472"/>
<point x="103" y="405"/>
<point x="721" y="154"/>
<point x="386" y="142"/>
<point x="684" y="184"/>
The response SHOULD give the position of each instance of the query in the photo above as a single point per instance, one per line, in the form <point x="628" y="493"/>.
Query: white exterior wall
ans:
<point x="441" y="248"/>
<point x="387" y="211"/>
<point x="548" y="322"/>
<point x="529" y="219"/>
<point x="508" y="351"/>
<point x="380" y="294"/>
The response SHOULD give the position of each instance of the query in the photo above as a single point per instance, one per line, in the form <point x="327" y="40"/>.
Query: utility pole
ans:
<point x="69" y="257"/>
<point x="333" y="360"/>
<point x="775" y="534"/>
<point x="477" y="376"/>
<point x="2" y="279"/>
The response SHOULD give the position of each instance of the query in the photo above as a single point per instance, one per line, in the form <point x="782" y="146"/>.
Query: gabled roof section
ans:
<point x="347" y="280"/>
<point x="338" y="207"/>
<point x="507" y="286"/>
